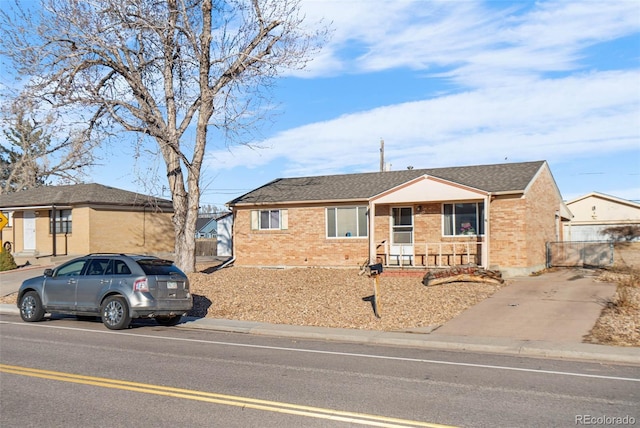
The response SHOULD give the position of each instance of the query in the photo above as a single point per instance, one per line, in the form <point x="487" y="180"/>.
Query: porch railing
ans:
<point x="432" y="254"/>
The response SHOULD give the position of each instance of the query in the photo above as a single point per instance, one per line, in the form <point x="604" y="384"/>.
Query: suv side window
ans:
<point x="121" y="268"/>
<point x="97" y="267"/>
<point x="71" y="269"/>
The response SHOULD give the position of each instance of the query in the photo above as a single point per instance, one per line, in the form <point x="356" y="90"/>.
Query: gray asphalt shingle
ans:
<point x="509" y="177"/>
<point x="78" y="194"/>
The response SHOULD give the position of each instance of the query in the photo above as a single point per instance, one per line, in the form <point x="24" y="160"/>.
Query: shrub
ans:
<point x="7" y="262"/>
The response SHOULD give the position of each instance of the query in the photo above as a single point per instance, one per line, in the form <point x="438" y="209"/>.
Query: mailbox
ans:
<point x="375" y="269"/>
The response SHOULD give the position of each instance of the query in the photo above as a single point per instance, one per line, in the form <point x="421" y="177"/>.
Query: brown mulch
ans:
<point x="330" y="298"/>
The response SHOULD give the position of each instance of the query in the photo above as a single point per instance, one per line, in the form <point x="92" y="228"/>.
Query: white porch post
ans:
<point x="372" y="237"/>
<point x="487" y="231"/>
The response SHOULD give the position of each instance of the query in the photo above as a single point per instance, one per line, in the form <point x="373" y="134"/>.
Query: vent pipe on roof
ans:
<point x="382" y="166"/>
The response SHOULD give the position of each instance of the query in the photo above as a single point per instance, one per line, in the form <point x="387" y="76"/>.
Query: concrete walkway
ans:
<point x="542" y="316"/>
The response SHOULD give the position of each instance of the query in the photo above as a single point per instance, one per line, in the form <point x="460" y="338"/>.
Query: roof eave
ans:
<point x="301" y="202"/>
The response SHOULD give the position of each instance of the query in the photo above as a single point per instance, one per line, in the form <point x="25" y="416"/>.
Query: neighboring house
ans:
<point x="594" y="212"/>
<point x="86" y="218"/>
<point x="224" y="231"/>
<point x="496" y="216"/>
<point x="206" y="227"/>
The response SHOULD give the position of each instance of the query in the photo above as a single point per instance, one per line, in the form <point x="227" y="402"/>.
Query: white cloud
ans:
<point x="477" y="45"/>
<point x="596" y="112"/>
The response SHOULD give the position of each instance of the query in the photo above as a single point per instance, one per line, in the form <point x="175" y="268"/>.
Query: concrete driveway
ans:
<point x="558" y="306"/>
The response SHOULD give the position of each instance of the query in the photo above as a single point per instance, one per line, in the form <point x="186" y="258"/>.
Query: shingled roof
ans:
<point x="79" y="194"/>
<point x="498" y="178"/>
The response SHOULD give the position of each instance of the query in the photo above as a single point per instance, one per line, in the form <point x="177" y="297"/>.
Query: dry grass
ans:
<point x="619" y="322"/>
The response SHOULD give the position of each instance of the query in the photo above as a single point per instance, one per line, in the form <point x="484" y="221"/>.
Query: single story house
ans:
<point x="496" y="216"/>
<point x="86" y="218"/>
<point x="594" y="212"/>
<point x="206" y="227"/>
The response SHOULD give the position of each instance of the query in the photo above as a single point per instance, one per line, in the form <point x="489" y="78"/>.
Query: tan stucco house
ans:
<point x="85" y="218"/>
<point x="594" y="212"/>
<point x="496" y="216"/>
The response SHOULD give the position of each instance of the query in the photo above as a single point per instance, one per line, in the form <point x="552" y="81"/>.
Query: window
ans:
<point x="463" y="219"/>
<point x="121" y="268"/>
<point x="402" y="226"/>
<point x="97" y="267"/>
<point x="269" y="219"/>
<point x="62" y="221"/>
<point x="347" y="222"/>
<point x="72" y="269"/>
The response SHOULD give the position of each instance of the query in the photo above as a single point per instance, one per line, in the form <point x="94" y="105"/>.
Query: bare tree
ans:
<point x="172" y="70"/>
<point x="623" y="233"/>
<point x="30" y="156"/>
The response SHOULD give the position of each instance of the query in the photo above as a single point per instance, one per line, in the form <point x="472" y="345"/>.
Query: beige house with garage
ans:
<point x="594" y="212"/>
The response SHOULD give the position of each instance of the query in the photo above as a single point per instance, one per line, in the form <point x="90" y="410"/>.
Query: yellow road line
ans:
<point x="210" y="397"/>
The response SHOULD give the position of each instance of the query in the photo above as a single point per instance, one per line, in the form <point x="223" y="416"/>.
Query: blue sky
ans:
<point x="447" y="83"/>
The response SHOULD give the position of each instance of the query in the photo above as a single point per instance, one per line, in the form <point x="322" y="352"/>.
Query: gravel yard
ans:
<point x="329" y="298"/>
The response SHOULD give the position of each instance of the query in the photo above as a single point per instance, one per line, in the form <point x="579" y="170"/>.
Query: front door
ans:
<point x="29" y="231"/>
<point x="401" y="251"/>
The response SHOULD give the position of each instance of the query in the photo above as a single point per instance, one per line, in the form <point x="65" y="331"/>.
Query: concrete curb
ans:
<point x="540" y="349"/>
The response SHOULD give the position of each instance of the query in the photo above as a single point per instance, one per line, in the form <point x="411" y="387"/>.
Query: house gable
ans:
<point x="600" y="208"/>
<point x="428" y="188"/>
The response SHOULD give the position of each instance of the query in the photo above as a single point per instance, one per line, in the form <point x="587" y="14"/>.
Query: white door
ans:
<point x="401" y="251"/>
<point x="29" y="231"/>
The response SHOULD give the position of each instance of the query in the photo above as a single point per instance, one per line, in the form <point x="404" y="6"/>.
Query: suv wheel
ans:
<point x="115" y="313"/>
<point x="168" y="320"/>
<point x="31" y="309"/>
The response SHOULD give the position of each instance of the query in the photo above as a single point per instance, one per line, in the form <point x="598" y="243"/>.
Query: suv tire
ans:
<point x="31" y="309"/>
<point x="115" y="313"/>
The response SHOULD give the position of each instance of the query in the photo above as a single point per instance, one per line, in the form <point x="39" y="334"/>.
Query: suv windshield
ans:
<point x="158" y="267"/>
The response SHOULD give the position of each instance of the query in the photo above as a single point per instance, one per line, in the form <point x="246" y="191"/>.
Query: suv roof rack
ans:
<point x="118" y="254"/>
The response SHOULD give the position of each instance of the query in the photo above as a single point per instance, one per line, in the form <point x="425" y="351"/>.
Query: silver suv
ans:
<point x="116" y="287"/>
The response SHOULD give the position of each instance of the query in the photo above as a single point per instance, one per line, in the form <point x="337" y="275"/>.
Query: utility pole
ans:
<point x="382" y="155"/>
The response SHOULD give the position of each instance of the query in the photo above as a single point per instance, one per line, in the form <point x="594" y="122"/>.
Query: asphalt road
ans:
<point x="65" y="372"/>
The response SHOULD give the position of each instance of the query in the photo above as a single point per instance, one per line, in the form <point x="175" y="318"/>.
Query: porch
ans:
<point x="430" y="254"/>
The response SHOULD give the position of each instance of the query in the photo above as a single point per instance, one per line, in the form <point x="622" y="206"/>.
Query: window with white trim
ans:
<point x="269" y="219"/>
<point x="463" y="219"/>
<point x="62" y="221"/>
<point x="347" y="222"/>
